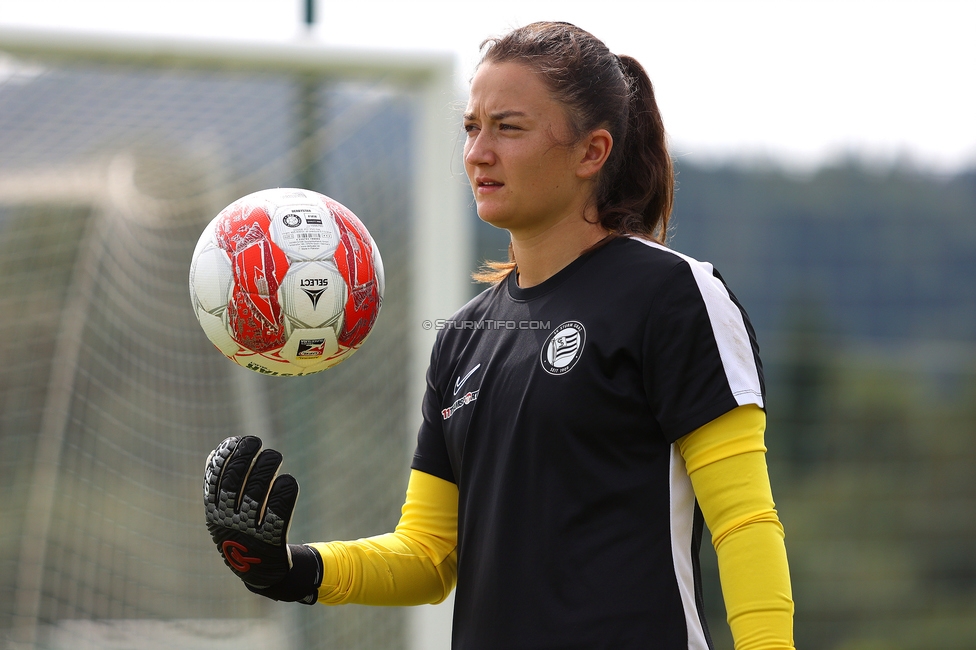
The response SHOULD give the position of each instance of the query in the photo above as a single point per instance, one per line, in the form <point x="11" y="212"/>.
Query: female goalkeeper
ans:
<point x="584" y="417"/>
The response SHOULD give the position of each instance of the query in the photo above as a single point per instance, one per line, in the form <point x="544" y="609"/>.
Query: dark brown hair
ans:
<point x="635" y="188"/>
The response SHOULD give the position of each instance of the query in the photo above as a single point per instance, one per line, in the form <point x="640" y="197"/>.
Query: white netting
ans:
<point x="112" y="395"/>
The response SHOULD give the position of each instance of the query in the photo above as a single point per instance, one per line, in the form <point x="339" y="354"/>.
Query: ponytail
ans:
<point x="636" y="195"/>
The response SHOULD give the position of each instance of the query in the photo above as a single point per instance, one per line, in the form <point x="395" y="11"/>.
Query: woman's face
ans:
<point x="523" y="179"/>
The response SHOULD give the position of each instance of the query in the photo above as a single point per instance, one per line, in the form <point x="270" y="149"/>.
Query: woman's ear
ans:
<point x="596" y="149"/>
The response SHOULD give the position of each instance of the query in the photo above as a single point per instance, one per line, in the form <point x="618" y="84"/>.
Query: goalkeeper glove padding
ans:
<point x="249" y="510"/>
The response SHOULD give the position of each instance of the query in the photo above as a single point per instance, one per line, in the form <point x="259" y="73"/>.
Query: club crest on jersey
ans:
<point x="563" y="348"/>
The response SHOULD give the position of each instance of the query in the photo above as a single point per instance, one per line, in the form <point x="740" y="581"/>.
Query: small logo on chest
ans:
<point x="467" y="398"/>
<point x="563" y="348"/>
<point x="461" y="380"/>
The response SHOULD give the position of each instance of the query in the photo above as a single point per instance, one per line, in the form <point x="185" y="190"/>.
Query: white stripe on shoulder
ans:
<point x="729" y="329"/>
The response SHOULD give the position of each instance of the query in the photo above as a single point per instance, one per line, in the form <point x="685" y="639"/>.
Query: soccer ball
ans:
<point x="286" y="282"/>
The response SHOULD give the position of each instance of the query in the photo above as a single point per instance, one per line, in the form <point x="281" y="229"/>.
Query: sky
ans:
<point x="796" y="82"/>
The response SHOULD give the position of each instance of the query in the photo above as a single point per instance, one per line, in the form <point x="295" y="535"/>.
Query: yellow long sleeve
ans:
<point x="414" y="565"/>
<point x="726" y="462"/>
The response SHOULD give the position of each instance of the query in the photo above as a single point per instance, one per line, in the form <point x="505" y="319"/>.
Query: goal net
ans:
<point x="116" y="154"/>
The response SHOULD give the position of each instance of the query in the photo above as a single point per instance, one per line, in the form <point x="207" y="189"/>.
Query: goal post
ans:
<point x="145" y="139"/>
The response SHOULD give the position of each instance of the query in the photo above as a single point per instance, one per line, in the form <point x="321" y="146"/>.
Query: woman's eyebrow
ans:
<point x="503" y="115"/>
<point x="497" y="117"/>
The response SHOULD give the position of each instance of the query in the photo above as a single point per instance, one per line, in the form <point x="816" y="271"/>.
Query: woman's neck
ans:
<point x="540" y="256"/>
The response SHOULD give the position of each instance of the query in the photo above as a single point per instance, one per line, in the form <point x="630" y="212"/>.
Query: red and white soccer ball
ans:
<point x="286" y="282"/>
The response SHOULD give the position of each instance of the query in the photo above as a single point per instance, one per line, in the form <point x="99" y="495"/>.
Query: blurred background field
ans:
<point x="859" y="275"/>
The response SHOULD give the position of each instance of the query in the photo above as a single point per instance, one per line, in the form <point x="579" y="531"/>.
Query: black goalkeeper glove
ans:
<point x="249" y="510"/>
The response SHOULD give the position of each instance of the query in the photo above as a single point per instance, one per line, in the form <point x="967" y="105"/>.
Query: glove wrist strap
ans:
<point x="301" y="585"/>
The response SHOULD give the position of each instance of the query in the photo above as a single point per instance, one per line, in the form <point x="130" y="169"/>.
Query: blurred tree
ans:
<point x="860" y="284"/>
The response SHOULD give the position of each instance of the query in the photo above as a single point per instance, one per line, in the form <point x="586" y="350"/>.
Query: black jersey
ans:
<point x="554" y="409"/>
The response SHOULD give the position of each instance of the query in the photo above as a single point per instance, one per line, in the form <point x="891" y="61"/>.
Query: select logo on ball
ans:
<point x="314" y="295"/>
